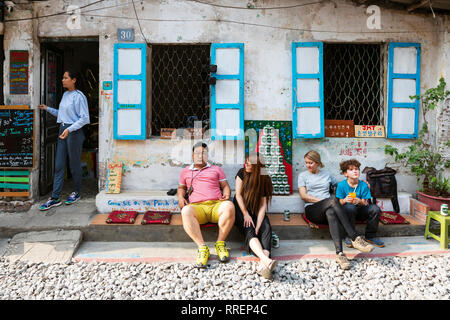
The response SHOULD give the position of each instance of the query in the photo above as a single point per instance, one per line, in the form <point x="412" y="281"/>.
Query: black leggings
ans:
<point x="265" y="231"/>
<point x="329" y="211"/>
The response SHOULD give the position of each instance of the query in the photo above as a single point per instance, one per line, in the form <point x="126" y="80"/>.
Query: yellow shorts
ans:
<point x="207" y="211"/>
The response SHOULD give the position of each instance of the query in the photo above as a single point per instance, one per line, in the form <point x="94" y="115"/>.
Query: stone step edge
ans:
<point x="276" y="219"/>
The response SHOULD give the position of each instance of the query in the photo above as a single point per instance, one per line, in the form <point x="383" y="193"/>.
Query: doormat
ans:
<point x="391" y="217"/>
<point x="122" y="217"/>
<point x="156" y="217"/>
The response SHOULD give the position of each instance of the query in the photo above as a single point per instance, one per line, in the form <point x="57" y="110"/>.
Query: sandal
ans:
<point x="264" y="272"/>
<point x="272" y="265"/>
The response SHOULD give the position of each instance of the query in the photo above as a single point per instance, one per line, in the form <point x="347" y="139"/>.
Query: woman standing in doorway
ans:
<point x="72" y="115"/>
<point x="253" y="194"/>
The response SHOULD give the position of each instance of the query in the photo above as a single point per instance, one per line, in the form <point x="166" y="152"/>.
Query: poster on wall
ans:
<point x="18" y="72"/>
<point x="273" y="140"/>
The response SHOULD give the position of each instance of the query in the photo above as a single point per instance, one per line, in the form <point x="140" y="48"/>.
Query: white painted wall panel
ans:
<point x="227" y="61"/>
<point x="129" y="61"/>
<point x="307" y="60"/>
<point x="405" y="60"/>
<point x="129" y="91"/>
<point x="227" y="122"/>
<point x="308" y="120"/>
<point x="128" y="122"/>
<point x="308" y="90"/>
<point x="403" y="89"/>
<point x="403" y="120"/>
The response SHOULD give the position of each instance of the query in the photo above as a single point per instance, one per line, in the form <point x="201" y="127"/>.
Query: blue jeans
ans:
<point x="71" y="146"/>
<point x="371" y="213"/>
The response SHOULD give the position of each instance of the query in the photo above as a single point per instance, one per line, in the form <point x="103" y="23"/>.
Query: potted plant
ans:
<point x="425" y="156"/>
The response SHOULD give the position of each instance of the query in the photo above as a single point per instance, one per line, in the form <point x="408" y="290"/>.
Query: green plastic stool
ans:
<point x="445" y="223"/>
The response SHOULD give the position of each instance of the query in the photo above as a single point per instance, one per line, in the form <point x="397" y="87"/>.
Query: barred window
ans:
<point x="353" y="82"/>
<point x="180" y="88"/>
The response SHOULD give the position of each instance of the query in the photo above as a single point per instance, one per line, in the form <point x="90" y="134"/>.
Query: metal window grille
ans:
<point x="353" y="82"/>
<point x="180" y="86"/>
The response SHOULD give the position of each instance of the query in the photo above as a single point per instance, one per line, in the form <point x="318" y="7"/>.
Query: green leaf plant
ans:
<point x="422" y="157"/>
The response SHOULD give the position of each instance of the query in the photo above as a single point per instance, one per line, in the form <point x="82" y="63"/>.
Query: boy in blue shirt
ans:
<point x="353" y="194"/>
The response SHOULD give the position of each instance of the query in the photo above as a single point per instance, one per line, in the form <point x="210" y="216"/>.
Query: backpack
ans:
<point x="383" y="185"/>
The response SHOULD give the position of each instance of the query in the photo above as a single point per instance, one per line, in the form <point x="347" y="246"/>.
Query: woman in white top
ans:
<point x="323" y="208"/>
<point x="72" y="115"/>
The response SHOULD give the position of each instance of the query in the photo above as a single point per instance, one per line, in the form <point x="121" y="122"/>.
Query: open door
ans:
<point x="51" y="94"/>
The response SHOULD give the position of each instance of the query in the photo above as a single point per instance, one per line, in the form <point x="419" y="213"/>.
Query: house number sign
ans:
<point x="125" y="34"/>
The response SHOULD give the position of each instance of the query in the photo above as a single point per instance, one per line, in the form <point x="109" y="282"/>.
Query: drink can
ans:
<point x="276" y="188"/>
<point x="287" y="215"/>
<point x="280" y="159"/>
<point x="277" y="150"/>
<point x="282" y="169"/>
<point x="267" y="150"/>
<point x="287" y="189"/>
<point x="269" y="140"/>
<point x="274" y="159"/>
<point x="274" y="141"/>
<point x="280" y="179"/>
<point x="285" y="179"/>
<point x="263" y="140"/>
<point x="444" y="209"/>
<point x="267" y="159"/>
<point x="275" y="240"/>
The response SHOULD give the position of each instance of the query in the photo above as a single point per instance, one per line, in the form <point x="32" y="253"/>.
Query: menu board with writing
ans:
<point x="113" y="177"/>
<point x="368" y="131"/>
<point x="16" y="137"/>
<point x="18" y="72"/>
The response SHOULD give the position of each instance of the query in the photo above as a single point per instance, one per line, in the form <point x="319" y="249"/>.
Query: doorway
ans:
<point x="58" y="55"/>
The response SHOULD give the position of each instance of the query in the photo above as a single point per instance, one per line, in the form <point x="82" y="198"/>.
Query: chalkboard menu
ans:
<point x="16" y="138"/>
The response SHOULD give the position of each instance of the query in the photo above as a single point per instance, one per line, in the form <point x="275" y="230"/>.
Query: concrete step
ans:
<point x="295" y="229"/>
<point x="142" y="201"/>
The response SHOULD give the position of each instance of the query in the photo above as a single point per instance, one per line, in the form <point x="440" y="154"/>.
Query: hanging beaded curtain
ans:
<point x="353" y="82"/>
<point x="180" y="88"/>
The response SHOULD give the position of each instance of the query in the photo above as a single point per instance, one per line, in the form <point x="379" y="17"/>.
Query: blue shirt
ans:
<point x="317" y="185"/>
<point x="73" y="109"/>
<point x="362" y="190"/>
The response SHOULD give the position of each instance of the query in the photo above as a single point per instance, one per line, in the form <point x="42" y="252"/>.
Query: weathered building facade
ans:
<point x="287" y="61"/>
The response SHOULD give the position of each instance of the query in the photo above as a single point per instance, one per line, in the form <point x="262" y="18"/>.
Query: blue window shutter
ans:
<point x="227" y="95"/>
<point x="130" y="91"/>
<point x="307" y="90"/>
<point x="403" y="82"/>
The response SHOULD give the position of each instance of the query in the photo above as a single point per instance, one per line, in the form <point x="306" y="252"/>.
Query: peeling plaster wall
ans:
<point x="156" y="163"/>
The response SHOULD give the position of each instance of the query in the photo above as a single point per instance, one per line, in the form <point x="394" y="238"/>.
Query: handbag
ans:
<point x="383" y="185"/>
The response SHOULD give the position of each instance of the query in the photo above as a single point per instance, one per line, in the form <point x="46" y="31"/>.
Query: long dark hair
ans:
<point x="256" y="185"/>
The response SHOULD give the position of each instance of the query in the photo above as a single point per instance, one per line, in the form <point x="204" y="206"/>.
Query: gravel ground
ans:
<point x="414" y="277"/>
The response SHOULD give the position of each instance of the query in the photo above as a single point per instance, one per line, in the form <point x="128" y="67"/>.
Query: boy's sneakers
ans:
<point x="376" y="242"/>
<point x="348" y="242"/>
<point x="202" y="256"/>
<point x="222" y="251"/>
<point x="342" y="261"/>
<point x="74" y="197"/>
<point x="50" y="204"/>
<point x="361" y="245"/>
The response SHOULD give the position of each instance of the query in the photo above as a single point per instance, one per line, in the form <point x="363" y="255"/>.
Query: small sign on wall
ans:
<point x="18" y="72"/>
<point x="113" y="177"/>
<point x="369" y="131"/>
<point x="125" y="35"/>
<point x="339" y="128"/>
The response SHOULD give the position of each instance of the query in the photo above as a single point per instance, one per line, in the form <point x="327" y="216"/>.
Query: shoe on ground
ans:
<point x="74" y="197"/>
<point x="361" y="245"/>
<point x="264" y="272"/>
<point x="50" y="204"/>
<point x="222" y="251"/>
<point x="342" y="261"/>
<point x="202" y="257"/>
<point x="376" y="242"/>
<point x="348" y="242"/>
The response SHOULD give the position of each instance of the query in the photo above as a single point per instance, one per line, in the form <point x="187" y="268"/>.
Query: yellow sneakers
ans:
<point x="222" y="251"/>
<point x="202" y="257"/>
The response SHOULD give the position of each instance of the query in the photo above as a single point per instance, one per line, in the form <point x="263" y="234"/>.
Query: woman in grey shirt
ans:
<point x="323" y="208"/>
